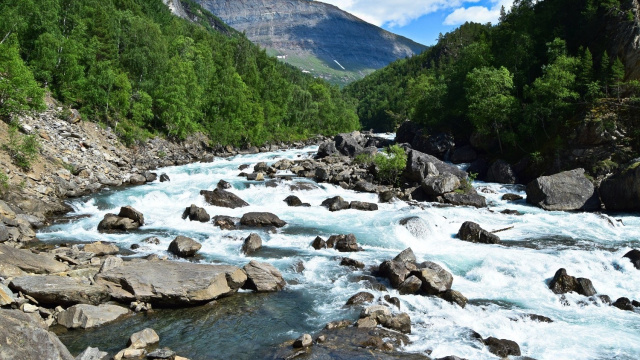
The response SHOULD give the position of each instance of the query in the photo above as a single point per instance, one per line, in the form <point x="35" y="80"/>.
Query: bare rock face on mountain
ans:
<point x="314" y="36"/>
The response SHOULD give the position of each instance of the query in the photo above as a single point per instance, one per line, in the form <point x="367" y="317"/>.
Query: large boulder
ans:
<point x="87" y="316"/>
<point x="336" y="203"/>
<point x="621" y="192"/>
<point x="434" y="278"/>
<point x="327" y="148"/>
<point x="410" y="285"/>
<point x="195" y="213"/>
<point x="171" y="283"/>
<point x="23" y="336"/>
<point x="501" y="172"/>
<point x="263" y="277"/>
<point x="27" y="261"/>
<point x="418" y="166"/>
<point x="261" y="219"/>
<point x="440" y="184"/>
<point x="60" y="290"/>
<point x="565" y="191"/>
<point x="563" y="283"/>
<point x="349" y="144"/>
<point x="184" y="247"/>
<point x="470" y="231"/>
<point x="223" y="198"/>
<point x="634" y="256"/>
<point x="465" y="199"/>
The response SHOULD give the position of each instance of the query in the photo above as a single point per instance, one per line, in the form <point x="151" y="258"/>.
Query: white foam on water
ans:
<point x="503" y="282"/>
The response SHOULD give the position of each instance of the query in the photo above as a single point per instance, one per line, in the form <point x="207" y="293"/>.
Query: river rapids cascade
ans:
<point x="505" y="283"/>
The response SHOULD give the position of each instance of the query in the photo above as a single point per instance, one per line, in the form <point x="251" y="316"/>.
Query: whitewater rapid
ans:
<point x="502" y="282"/>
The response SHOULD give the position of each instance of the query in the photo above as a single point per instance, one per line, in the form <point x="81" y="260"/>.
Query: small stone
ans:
<point x="252" y="244"/>
<point x="319" y="243"/>
<point x="303" y="341"/>
<point x="144" y="338"/>
<point x="29" y="308"/>
<point x="360" y="298"/>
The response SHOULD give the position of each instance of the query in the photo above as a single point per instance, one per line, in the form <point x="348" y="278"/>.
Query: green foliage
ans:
<point x="364" y="159"/>
<point x="391" y="164"/>
<point x="18" y="89"/>
<point x="23" y="149"/>
<point x="518" y="81"/>
<point x="491" y="103"/>
<point x="132" y="65"/>
<point x="4" y="182"/>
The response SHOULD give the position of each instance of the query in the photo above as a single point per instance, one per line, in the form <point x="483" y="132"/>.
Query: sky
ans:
<point x="423" y="20"/>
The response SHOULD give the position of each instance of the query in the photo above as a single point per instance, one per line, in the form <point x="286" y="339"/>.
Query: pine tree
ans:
<point x="617" y="75"/>
<point x="605" y="72"/>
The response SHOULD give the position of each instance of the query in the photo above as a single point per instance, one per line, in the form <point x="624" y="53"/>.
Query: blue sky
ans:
<point x="423" y="20"/>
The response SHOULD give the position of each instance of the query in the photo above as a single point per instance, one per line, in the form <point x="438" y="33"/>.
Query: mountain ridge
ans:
<point x="316" y="37"/>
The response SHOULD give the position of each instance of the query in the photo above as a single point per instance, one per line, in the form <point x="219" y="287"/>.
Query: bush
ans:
<point x="391" y="164"/>
<point x="4" y="181"/>
<point x="364" y="159"/>
<point x="23" y="149"/>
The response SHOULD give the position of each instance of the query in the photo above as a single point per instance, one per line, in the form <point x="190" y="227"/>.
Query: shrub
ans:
<point x="391" y="164"/>
<point x="364" y="159"/>
<point x="4" y="181"/>
<point x="23" y="149"/>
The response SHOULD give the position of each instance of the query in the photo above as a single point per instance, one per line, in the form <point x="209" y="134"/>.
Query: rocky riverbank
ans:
<point x="78" y="158"/>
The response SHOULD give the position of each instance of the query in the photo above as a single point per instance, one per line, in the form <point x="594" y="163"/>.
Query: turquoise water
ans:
<point x="502" y="282"/>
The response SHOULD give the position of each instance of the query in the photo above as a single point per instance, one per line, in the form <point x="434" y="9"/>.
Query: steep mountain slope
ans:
<point x="316" y="37"/>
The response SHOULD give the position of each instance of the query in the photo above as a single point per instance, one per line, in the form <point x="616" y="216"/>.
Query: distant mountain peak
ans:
<point x="316" y="37"/>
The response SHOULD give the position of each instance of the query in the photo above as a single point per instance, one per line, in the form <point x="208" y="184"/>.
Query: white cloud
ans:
<point x="395" y="13"/>
<point x="478" y="14"/>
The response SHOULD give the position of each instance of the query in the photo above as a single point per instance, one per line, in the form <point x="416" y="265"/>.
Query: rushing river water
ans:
<point x="503" y="282"/>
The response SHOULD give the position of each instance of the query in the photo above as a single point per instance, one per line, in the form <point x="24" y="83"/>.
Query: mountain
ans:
<point x="316" y="37"/>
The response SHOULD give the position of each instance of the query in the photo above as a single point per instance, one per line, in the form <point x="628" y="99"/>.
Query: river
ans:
<point x="503" y="282"/>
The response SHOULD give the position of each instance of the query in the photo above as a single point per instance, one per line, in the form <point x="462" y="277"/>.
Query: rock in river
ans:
<point x="195" y="213"/>
<point x="261" y="219"/>
<point x="223" y="198"/>
<point x="634" y="256"/>
<point x="171" y="283"/>
<point x="87" y="316"/>
<point x="252" y="243"/>
<point x="564" y="283"/>
<point x="569" y="190"/>
<point x="263" y="277"/>
<point x="184" y="247"/>
<point x="470" y="231"/>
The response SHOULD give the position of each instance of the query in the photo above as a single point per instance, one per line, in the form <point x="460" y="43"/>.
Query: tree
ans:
<point x="426" y="97"/>
<point x="491" y="103"/>
<point x="552" y="94"/>
<point x="617" y="75"/>
<point x="18" y="89"/>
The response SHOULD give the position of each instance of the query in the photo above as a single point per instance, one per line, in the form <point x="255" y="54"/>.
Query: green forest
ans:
<point x="520" y="85"/>
<point x="132" y="65"/>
